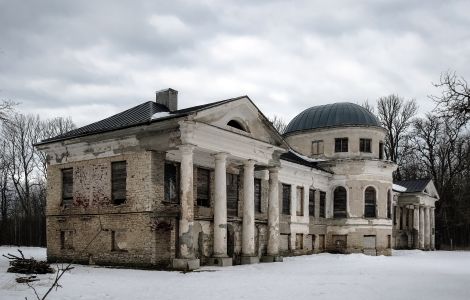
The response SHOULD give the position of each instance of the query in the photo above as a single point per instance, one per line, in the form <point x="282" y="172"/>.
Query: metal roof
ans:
<point x="291" y="156"/>
<point x="413" y="186"/>
<point x="332" y="115"/>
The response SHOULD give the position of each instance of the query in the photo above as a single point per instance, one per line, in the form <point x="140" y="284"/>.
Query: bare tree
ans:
<point x="395" y="114"/>
<point x="367" y="105"/>
<point x="454" y="100"/>
<point x="6" y="107"/>
<point x="278" y="123"/>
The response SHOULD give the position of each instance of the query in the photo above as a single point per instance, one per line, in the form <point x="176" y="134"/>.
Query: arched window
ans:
<point x="369" y="202"/>
<point x="236" y="124"/>
<point x="389" y="204"/>
<point x="339" y="202"/>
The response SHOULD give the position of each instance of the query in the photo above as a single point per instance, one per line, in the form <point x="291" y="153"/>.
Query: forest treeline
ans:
<point x="23" y="174"/>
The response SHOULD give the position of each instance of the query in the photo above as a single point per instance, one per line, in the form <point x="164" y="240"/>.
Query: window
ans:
<point x="311" y="202"/>
<point x="236" y="124"/>
<point x="299" y="241"/>
<point x="232" y="194"/>
<point x="341" y="145"/>
<point x="300" y="201"/>
<point x="317" y="147"/>
<point x="118" y="182"/>
<point x="258" y="195"/>
<point x="339" y="202"/>
<point x="118" y="241"/>
<point x="389" y="204"/>
<point x="172" y="181"/>
<point x="389" y="241"/>
<point x="365" y="145"/>
<point x="203" y="187"/>
<point x="381" y="150"/>
<point x="286" y="199"/>
<point x="322" y="204"/>
<point x="67" y="186"/>
<point x="394" y="215"/>
<point x="321" y="242"/>
<point x="369" y="202"/>
<point x="66" y="239"/>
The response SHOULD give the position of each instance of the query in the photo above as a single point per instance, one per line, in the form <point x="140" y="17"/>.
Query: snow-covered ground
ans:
<point x="406" y="275"/>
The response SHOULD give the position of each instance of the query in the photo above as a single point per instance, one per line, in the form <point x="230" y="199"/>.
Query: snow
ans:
<point x="398" y="188"/>
<point x="309" y="159"/>
<point x="406" y="275"/>
<point x="160" y="115"/>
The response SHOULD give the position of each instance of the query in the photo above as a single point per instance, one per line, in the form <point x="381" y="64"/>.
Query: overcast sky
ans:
<point x="91" y="59"/>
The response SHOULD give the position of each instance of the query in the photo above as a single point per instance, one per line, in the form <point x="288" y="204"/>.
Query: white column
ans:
<point x="273" y="213"/>
<point x="416" y="227"/>
<point x="421" y="227"/>
<point x="427" y="228"/>
<point x="220" y="206"/>
<point x="433" y="229"/>
<point x="248" y="229"/>
<point x="186" y="250"/>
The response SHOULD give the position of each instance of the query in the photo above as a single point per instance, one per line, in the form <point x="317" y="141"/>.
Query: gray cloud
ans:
<point x="90" y="59"/>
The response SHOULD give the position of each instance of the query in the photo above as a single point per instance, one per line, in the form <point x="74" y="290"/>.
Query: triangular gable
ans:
<point x="431" y="190"/>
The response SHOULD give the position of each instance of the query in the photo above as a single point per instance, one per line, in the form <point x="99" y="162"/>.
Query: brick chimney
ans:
<point x="168" y="98"/>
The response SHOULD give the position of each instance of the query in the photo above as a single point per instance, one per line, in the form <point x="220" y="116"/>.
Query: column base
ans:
<point x="271" y="258"/>
<point x="185" y="264"/>
<point x="248" y="260"/>
<point x="221" y="261"/>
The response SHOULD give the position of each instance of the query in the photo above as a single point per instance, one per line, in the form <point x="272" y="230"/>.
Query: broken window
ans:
<point x="365" y="145"/>
<point x="67" y="186"/>
<point x="66" y="239"/>
<point x="236" y="124"/>
<point x="300" y="201"/>
<point x="339" y="202"/>
<point x="286" y="190"/>
<point x="203" y="187"/>
<point x="322" y="204"/>
<point x="369" y="202"/>
<point x="232" y="194"/>
<point x="317" y="147"/>
<point x="341" y="145"/>
<point x="258" y="195"/>
<point x="118" y="182"/>
<point x="171" y="179"/>
<point x="311" y="202"/>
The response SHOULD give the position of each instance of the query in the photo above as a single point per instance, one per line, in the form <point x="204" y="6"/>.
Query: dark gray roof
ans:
<point x="413" y="186"/>
<point x="138" y="115"/>
<point x="332" y="115"/>
<point x="294" y="158"/>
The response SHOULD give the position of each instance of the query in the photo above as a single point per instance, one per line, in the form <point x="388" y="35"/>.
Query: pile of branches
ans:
<point x="24" y="265"/>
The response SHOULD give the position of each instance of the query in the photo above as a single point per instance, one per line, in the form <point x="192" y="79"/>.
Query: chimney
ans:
<point x="168" y="98"/>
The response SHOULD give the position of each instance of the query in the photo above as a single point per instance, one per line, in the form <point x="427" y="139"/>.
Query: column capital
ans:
<point x="273" y="169"/>
<point x="220" y="155"/>
<point x="186" y="148"/>
<point x="249" y="163"/>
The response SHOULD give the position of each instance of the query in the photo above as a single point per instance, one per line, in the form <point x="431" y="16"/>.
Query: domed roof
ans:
<point x="332" y="115"/>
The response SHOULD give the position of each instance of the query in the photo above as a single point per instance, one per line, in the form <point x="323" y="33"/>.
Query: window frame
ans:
<point x="286" y="199"/>
<point x="381" y="150"/>
<point x="115" y="185"/>
<point x="69" y="199"/>
<point x="206" y="201"/>
<point x="318" y="147"/>
<point x="341" y="145"/>
<point x="322" y="204"/>
<point x="370" y="209"/>
<point x="299" y="209"/>
<point x="337" y="213"/>
<point x="258" y="195"/>
<point x="365" y="145"/>
<point x="311" y="202"/>
<point x="167" y="193"/>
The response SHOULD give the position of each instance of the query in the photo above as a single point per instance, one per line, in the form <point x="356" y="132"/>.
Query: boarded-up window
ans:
<point x="341" y="145"/>
<point x="322" y="204"/>
<point x="286" y="190"/>
<point x="67" y="186"/>
<point x="300" y="201"/>
<point x="66" y="239"/>
<point x="299" y="241"/>
<point x="258" y="195"/>
<point x="232" y="194"/>
<point x="340" y="243"/>
<point x="369" y="202"/>
<point x="317" y="147"/>
<point x="369" y="242"/>
<point x="389" y="204"/>
<point x="311" y="202"/>
<point x="118" y="182"/>
<point x="203" y="187"/>
<point x="365" y="145"/>
<point x="171" y="178"/>
<point x="339" y="202"/>
<point x="381" y="150"/>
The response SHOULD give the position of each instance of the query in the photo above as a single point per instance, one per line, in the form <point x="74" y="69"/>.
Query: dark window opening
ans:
<point x="394" y="215"/>
<point x="339" y="202"/>
<point x="381" y="150"/>
<point x="232" y="194"/>
<point x="172" y="180"/>
<point x="341" y="145"/>
<point x="369" y="202"/>
<point x="118" y="180"/>
<point x="203" y="187"/>
<point x="300" y="201"/>
<point x="389" y="205"/>
<point x="311" y="202"/>
<point x="322" y="204"/>
<point x="286" y="194"/>
<point x="365" y="145"/>
<point x="236" y="124"/>
<point x="67" y="186"/>
<point x="258" y="195"/>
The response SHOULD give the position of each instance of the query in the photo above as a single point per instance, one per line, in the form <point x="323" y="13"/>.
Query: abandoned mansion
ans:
<point x="159" y="186"/>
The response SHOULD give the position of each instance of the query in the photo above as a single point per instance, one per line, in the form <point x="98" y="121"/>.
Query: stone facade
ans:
<point x="149" y="229"/>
